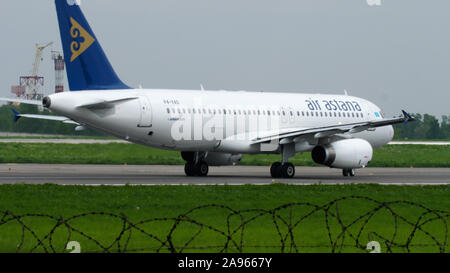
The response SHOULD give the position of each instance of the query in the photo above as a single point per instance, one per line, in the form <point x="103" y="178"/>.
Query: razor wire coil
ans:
<point x="345" y="233"/>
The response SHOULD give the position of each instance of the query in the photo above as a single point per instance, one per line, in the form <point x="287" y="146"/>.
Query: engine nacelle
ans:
<point x="215" y="159"/>
<point x="344" y="154"/>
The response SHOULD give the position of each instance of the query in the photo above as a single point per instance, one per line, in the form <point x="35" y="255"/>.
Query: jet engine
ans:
<point x="344" y="154"/>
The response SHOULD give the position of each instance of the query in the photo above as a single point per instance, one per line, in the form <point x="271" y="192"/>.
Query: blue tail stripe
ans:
<point x="88" y="67"/>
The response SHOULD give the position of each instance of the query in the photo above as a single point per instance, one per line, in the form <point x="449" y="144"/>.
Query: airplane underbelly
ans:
<point x="196" y="145"/>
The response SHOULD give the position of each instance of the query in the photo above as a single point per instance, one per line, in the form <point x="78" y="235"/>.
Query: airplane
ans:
<point x="211" y="128"/>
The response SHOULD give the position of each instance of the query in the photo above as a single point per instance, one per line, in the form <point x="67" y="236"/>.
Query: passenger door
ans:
<point x="146" y="112"/>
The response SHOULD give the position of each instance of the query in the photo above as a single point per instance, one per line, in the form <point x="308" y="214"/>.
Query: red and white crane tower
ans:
<point x="58" y="58"/>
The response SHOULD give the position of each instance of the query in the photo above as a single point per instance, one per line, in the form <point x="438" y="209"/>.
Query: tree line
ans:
<point x="425" y="127"/>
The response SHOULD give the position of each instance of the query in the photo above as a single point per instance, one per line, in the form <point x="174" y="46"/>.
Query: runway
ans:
<point x="43" y="140"/>
<point x="96" y="175"/>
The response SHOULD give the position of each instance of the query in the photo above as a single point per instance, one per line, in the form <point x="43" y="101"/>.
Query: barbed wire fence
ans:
<point x="346" y="224"/>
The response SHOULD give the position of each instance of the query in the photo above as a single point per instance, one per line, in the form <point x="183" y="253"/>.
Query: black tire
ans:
<point x="351" y="172"/>
<point x="275" y="170"/>
<point x="189" y="169"/>
<point x="345" y="172"/>
<point x="201" y="169"/>
<point x="288" y="170"/>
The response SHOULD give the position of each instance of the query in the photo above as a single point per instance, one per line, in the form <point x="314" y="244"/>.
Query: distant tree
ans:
<point x="431" y="128"/>
<point x="411" y="130"/>
<point x="445" y="128"/>
<point x="425" y="127"/>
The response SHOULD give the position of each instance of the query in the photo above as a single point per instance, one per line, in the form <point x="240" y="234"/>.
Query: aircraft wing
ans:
<point x="328" y="131"/>
<point x="18" y="115"/>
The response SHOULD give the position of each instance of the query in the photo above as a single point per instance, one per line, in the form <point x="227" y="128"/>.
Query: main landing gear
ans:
<point x="193" y="169"/>
<point x="279" y="170"/>
<point x="284" y="169"/>
<point x="195" y="164"/>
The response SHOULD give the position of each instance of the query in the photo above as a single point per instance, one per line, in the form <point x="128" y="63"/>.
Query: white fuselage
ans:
<point x="219" y="121"/>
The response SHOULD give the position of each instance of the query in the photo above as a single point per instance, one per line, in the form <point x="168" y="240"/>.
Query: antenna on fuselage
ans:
<point x="345" y="92"/>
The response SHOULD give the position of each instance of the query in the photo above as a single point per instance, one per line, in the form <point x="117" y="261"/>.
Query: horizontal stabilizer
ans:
<point x="18" y="115"/>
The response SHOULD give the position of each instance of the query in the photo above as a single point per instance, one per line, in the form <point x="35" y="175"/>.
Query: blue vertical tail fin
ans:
<point x="88" y="67"/>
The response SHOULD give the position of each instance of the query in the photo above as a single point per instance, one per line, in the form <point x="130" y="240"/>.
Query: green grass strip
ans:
<point x="313" y="230"/>
<point x="117" y="153"/>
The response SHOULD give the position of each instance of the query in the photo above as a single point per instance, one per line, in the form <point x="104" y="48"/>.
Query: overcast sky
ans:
<point x="396" y="55"/>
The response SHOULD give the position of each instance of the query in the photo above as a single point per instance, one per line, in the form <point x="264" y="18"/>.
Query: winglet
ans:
<point x="407" y="117"/>
<point x="17" y="115"/>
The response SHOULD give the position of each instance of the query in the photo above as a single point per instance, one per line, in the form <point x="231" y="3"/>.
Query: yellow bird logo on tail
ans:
<point x="82" y="39"/>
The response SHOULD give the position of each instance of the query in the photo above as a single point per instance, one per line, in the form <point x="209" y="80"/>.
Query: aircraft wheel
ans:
<point x="351" y="172"/>
<point x="348" y="172"/>
<point x="288" y="170"/>
<point x="275" y="170"/>
<point x="189" y="169"/>
<point x="201" y="169"/>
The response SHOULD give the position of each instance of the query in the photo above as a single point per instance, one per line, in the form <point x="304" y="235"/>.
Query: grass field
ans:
<point x="388" y="156"/>
<point x="261" y="233"/>
<point x="59" y="137"/>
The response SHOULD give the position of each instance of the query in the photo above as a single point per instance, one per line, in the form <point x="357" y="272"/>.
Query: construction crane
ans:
<point x="38" y="58"/>
<point x="34" y="80"/>
<point x="29" y="86"/>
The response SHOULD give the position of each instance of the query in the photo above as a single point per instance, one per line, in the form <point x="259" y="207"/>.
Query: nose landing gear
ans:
<point x="279" y="170"/>
<point x="348" y="172"/>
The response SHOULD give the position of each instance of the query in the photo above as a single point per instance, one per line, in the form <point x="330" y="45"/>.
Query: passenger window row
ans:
<point x="263" y="112"/>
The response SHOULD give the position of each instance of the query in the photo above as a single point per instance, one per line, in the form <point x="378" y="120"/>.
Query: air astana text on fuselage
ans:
<point x="333" y="105"/>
